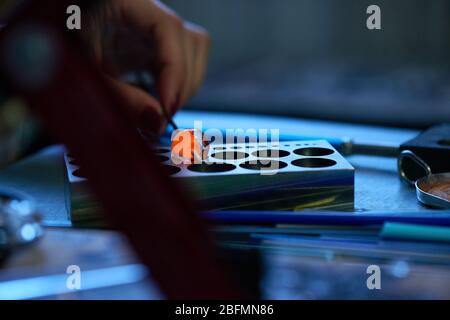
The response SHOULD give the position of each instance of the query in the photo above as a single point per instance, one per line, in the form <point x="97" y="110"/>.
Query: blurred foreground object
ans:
<point x="19" y="223"/>
<point x="425" y="154"/>
<point x="81" y="109"/>
<point x="18" y="129"/>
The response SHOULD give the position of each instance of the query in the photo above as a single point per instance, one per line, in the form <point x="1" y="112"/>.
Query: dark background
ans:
<point x="316" y="58"/>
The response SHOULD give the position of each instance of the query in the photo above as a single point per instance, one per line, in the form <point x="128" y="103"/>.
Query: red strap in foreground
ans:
<point x="46" y="67"/>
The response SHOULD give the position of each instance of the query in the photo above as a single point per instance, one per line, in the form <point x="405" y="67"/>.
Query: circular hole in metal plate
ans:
<point x="78" y="173"/>
<point x="230" y="155"/>
<point x="236" y="147"/>
<point x="213" y="167"/>
<point x="161" y="150"/>
<point x="271" y="153"/>
<point x="313" y="152"/>
<point x="263" y="165"/>
<point x="171" y="169"/>
<point x="161" y="158"/>
<point x="219" y="148"/>
<point x="314" y="163"/>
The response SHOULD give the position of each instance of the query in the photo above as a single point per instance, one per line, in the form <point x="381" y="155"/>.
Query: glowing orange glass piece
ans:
<point x="185" y="147"/>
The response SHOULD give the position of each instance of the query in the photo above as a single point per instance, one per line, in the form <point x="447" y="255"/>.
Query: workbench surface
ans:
<point x="377" y="187"/>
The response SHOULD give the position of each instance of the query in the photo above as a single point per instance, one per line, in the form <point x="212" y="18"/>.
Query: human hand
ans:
<point x="136" y="35"/>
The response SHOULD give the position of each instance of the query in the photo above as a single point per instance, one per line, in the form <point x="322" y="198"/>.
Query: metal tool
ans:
<point x="424" y="162"/>
<point x="417" y="172"/>
<point x="146" y="84"/>
<point x="425" y="172"/>
<point x="19" y="222"/>
<point x="411" y="167"/>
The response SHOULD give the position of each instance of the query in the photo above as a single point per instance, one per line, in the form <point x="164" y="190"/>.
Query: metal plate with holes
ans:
<point x="294" y="175"/>
<point x="294" y="156"/>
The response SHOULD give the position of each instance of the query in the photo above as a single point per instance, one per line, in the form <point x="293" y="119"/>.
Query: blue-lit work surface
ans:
<point x="377" y="186"/>
<point x="316" y="270"/>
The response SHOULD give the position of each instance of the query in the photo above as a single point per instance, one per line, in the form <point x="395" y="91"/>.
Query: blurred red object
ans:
<point x="44" y="63"/>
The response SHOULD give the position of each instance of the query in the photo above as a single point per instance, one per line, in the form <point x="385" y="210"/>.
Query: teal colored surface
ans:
<point x="415" y="232"/>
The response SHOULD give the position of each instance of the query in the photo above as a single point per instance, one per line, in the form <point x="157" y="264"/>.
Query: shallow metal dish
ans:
<point x="425" y="185"/>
